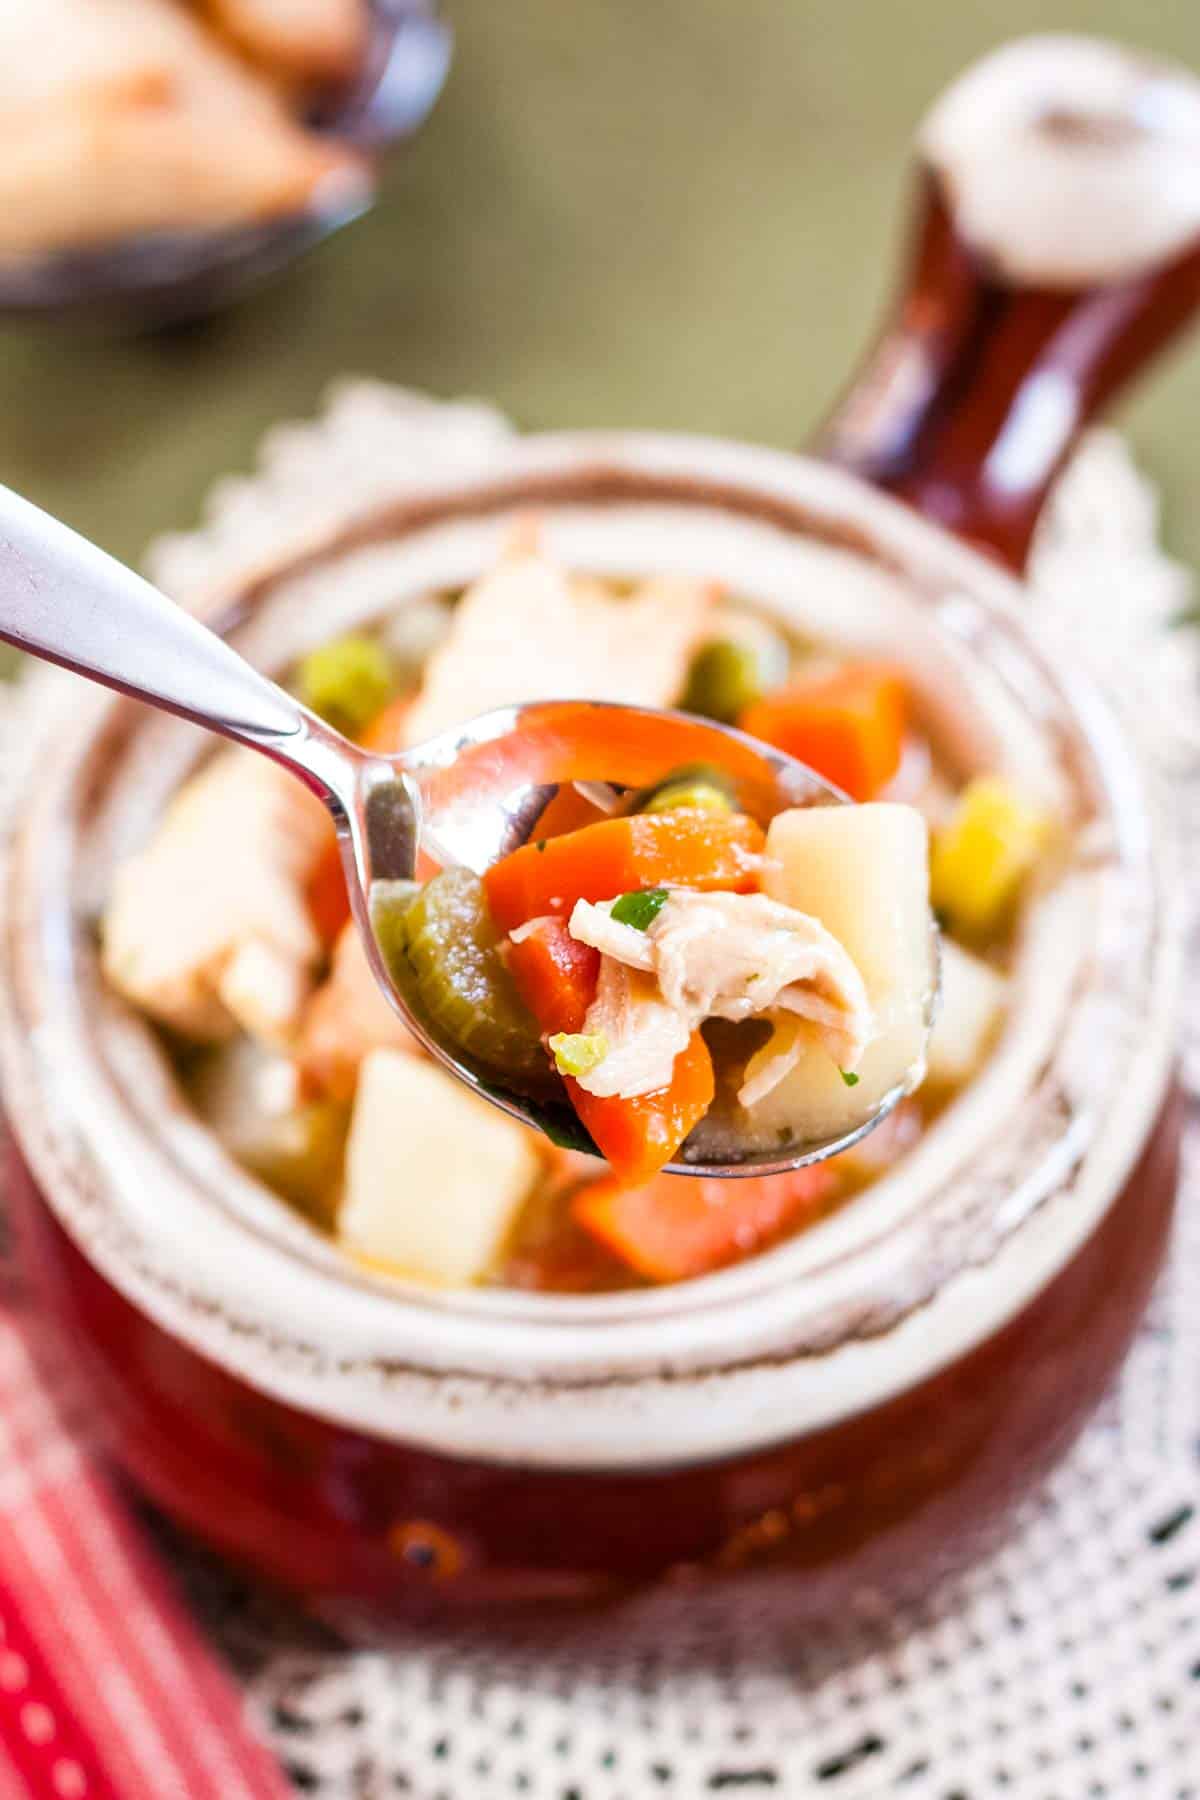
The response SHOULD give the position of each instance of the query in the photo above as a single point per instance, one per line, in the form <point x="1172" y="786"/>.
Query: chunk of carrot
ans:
<point x="637" y="1136"/>
<point x="567" y="810"/>
<point x="556" y="978"/>
<point x="385" y="733"/>
<point x="325" y="893"/>
<point x="847" y="725"/>
<point x="555" y="975"/>
<point x="683" y="848"/>
<point x="680" y="1226"/>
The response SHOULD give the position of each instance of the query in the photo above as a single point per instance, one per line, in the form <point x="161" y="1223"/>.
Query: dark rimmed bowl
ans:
<point x="169" y="278"/>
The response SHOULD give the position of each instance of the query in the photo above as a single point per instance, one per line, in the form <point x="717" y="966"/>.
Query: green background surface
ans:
<point x="680" y="213"/>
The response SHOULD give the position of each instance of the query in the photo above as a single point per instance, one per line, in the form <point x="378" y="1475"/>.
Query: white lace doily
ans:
<point x="1066" y="1667"/>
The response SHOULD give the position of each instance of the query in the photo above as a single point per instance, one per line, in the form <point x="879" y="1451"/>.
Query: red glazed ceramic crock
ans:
<point x="859" y="1406"/>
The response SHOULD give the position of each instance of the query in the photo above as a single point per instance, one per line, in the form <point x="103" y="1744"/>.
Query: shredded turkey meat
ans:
<point x="527" y="630"/>
<point x="642" y="1032"/>
<point x="207" y="940"/>
<point x="722" y="956"/>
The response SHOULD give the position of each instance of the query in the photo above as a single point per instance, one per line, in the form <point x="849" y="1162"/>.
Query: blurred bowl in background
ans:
<point x="164" y="278"/>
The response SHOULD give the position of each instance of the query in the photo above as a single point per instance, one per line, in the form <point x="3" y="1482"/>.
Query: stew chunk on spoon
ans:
<point x="602" y="955"/>
<point x="671" y="975"/>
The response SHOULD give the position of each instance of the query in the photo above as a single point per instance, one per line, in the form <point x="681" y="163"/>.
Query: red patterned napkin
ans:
<point x="107" y="1689"/>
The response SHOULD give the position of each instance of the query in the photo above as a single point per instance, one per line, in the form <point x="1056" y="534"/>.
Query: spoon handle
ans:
<point x="1055" y="252"/>
<point x="67" y="601"/>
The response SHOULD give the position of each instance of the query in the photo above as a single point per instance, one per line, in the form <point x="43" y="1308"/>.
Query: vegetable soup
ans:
<point x="673" y="969"/>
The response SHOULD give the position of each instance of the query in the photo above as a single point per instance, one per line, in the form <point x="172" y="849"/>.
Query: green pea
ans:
<point x="700" y="785"/>
<point x="347" y="682"/>
<point x="698" y="795"/>
<point x="725" y="677"/>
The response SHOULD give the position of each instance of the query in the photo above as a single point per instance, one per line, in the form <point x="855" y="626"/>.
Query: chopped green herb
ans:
<point x="578" y="1052"/>
<point x="639" y="909"/>
<point x="540" y="846"/>
<point x="850" y="1079"/>
<point x="563" y="1129"/>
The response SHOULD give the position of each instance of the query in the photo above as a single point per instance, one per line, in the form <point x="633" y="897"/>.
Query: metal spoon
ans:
<point x="465" y="797"/>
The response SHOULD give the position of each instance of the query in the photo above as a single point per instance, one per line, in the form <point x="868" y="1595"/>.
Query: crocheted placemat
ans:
<point x="1065" y="1667"/>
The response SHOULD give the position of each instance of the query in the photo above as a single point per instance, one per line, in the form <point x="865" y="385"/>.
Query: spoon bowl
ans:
<point x="477" y="792"/>
<point x="464" y="798"/>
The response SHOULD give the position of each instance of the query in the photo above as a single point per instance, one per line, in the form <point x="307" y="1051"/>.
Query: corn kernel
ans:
<point x="981" y="857"/>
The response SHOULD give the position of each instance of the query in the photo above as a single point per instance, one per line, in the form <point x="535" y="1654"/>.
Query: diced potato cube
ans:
<point x="982" y="855"/>
<point x="863" y="871"/>
<point x="434" y="1176"/>
<point x="972" y="1000"/>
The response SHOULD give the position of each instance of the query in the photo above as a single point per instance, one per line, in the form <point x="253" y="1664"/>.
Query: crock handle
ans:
<point x="1056" y="250"/>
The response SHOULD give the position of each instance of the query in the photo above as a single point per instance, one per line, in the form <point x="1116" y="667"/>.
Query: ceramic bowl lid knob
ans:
<point x="1056" y="250"/>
